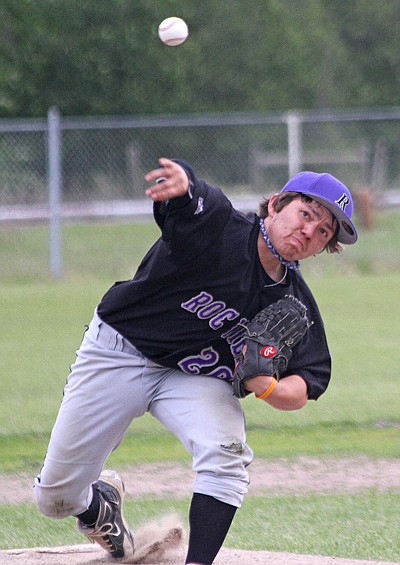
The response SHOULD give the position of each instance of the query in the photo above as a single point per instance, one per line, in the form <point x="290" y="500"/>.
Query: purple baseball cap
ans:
<point x="332" y="194"/>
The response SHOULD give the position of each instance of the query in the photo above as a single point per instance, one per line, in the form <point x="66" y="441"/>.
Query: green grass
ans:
<point x="43" y="323"/>
<point x="362" y="526"/>
<point x="111" y="251"/>
<point x="91" y="250"/>
<point x="148" y="442"/>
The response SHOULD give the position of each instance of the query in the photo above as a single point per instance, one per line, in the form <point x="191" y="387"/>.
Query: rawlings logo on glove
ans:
<point x="271" y="334"/>
<point x="268" y="351"/>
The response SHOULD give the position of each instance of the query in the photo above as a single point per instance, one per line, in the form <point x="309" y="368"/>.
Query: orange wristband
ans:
<point x="269" y="390"/>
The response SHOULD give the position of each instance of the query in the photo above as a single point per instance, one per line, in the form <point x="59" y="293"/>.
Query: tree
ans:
<point x="104" y="57"/>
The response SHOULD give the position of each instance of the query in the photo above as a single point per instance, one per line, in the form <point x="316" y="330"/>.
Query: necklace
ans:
<point x="279" y="282"/>
<point x="294" y="265"/>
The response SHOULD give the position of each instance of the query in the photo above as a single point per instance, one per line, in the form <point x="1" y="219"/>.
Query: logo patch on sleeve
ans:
<point x="200" y="206"/>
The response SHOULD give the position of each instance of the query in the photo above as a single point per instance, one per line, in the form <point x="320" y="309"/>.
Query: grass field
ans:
<point x="363" y="526"/>
<point x="43" y="322"/>
<point x="110" y="251"/>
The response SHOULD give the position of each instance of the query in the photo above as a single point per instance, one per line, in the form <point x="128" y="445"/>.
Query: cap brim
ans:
<point x="347" y="233"/>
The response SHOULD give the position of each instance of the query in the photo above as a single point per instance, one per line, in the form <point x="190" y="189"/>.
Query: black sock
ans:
<point x="89" y="517"/>
<point x="209" y="521"/>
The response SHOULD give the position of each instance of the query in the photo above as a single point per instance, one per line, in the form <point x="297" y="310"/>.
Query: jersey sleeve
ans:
<point x="190" y="223"/>
<point x="311" y="358"/>
<point x="162" y="209"/>
<point x="312" y="361"/>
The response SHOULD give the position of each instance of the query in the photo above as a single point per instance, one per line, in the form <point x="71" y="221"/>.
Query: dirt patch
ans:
<point x="278" y="476"/>
<point x="89" y="555"/>
<point x="268" y="478"/>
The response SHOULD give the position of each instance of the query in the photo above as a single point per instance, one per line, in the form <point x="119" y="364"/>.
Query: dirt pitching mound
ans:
<point x="90" y="555"/>
<point x="163" y="542"/>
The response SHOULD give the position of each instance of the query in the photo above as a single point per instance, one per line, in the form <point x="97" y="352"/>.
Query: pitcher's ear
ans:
<point x="272" y="204"/>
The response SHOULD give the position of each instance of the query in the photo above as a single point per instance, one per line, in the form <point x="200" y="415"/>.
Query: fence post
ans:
<point x="293" y="121"/>
<point x="54" y="187"/>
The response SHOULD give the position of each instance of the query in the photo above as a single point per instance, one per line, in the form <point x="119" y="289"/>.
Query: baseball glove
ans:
<point x="271" y="334"/>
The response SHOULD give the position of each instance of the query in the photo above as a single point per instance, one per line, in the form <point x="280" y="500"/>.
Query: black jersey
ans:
<point x="199" y="283"/>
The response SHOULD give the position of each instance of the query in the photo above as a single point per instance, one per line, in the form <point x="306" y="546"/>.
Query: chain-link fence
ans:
<point x="62" y="169"/>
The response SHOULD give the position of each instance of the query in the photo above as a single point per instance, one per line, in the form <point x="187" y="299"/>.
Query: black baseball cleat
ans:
<point x="110" y="530"/>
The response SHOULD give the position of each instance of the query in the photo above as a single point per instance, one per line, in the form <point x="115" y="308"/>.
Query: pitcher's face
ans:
<point x="300" y="229"/>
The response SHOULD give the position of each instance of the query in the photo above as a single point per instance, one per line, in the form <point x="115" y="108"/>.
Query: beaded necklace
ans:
<point x="294" y="265"/>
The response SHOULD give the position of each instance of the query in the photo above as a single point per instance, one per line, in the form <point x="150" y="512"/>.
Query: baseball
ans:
<point x="173" y="31"/>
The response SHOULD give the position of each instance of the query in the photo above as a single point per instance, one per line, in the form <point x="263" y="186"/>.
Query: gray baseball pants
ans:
<point x="110" y="385"/>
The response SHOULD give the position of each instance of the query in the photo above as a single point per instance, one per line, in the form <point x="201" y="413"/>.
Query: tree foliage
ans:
<point x="104" y="57"/>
